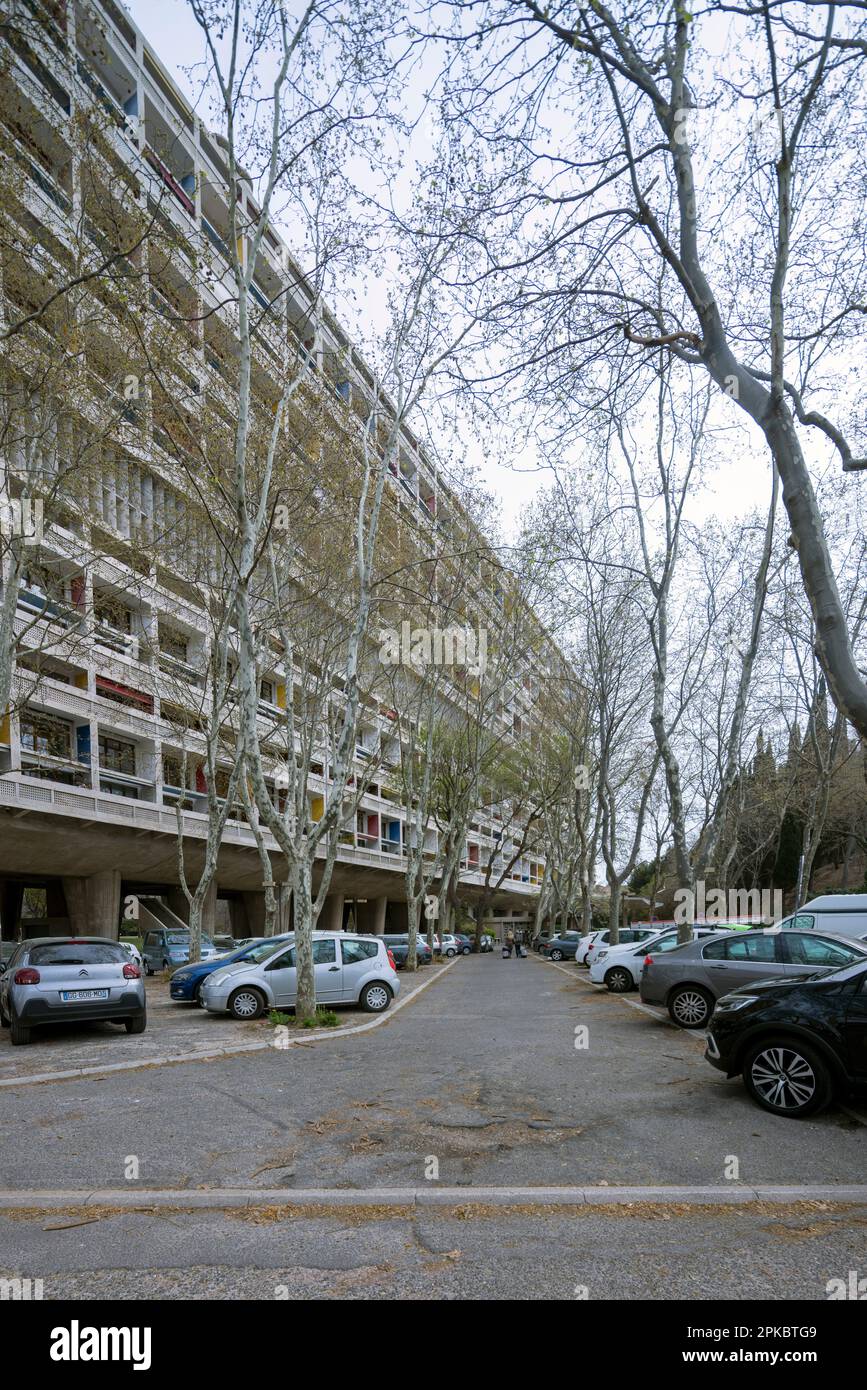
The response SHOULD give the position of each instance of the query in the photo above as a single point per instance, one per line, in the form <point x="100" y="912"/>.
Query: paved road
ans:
<point x="738" y="1253"/>
<point x="482" y="1075"/>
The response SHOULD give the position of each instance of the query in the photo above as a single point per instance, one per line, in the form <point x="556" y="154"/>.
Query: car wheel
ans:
<point x="374" y="998"/>
<point x="246" y="1003"/>
<point x="787" y="1078"/>
<point x="19" y="1034"/>
<point x="136" y="1025"/>
<point x="466" y="950"/>
<point x="556" y="955"/>
<point x="450" y="951"/>
<point x="690" y="1007"/>
<point x="619" y="980"/>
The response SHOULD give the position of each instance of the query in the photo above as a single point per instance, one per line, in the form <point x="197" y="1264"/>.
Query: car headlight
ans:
<point x="181" y="976"/>
<point x="730" y="1002"/>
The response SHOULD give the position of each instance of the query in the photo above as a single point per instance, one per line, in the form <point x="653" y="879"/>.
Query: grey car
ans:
<point x="348" y="969"/>
<point x="58" y="979"/>
<point x="689" y="980"/>
<point x="165" y="948"/>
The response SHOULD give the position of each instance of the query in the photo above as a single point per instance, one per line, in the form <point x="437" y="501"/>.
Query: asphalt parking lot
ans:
<point x="477" y="1081"/>
<point x="480" y="1073"/>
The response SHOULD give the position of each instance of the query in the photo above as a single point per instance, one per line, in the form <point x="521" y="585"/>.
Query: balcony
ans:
<point x="171" y="183"/>
<point x="116" y="641"/>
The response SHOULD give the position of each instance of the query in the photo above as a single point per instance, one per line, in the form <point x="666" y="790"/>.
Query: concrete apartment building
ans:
<point x="90" y="762"/>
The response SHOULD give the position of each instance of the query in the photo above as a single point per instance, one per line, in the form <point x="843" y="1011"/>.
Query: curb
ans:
<point x="232" y="1049"/>
<point x="411" y="1198"/>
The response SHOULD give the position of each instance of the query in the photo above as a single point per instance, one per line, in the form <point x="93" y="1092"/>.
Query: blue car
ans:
<point x="185" y="984"/>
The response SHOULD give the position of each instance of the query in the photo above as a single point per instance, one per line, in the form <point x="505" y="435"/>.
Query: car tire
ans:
<point x="375" y="998"/>
<point x="19" y="1033"/>
<point x="246" y="1004"/>
<point x="689" y="1006"/>
<point x="556" y="955"/>
<point x="619" y="980"/>
<point x="451" y="951"/>
<point x="136" y="1025"/>
<point x="148" y="970"/>
<point x="466" y="950"/>
<point x="789" y="1071"/>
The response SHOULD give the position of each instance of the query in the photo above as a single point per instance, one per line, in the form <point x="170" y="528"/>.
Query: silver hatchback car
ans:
<point x="65" y="979"/>
<point x="349" y="969"/>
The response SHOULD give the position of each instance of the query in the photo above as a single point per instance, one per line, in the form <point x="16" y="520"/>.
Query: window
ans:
<point x="804" y="921"/>
<point x="665" y="943"/>
<point x="111" y="613"/>
<point x="752" y="946"/>
<point x="716" y="950"/>
<point x="818" y="950"/>
<point x="354" y="952"/>
<point x="172" y="643"/>
<point x="117" y="755"/>
<point x="284" y="961"/>
<point x="324" y="952"/>
<point x="41" y="733"/>
<point x="78" y="953"/>
<point x="260" y="953"/>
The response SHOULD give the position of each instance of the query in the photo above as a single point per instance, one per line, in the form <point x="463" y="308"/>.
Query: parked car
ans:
<point x="836" y="914"/>
<point x="185" y="984"/>
<point x="466" y="944"/>
<point x="59" y="979"/>
<point x="796" y="1042"/>
<point x="449" y="945"/>
<point x="562" y="947"/>
<point x="349" y="969"/>
<point x="621" y="967"/>
<point x="399" y="947"/>
<point x="133" y="952"/>
<point x="690" y="979"/>
<point x="584" y="946"/>
<point x="165" y="947"/>
<point x="601" y="940"/>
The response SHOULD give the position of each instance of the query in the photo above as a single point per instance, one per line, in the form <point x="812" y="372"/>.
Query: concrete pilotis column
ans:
<point x="380" y="907"/>
<point x="11" y="897"/>
<point x="254" y="904"/>
<point x="331" y="917"/>
<point x="93" y="904"/>
<point x="209" y="910"/>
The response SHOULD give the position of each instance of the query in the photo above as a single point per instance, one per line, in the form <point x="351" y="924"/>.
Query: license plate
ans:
<point x="74" y="996"/>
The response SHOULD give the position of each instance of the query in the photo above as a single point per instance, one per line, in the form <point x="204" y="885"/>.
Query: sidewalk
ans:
<point x="176" y="1034"/>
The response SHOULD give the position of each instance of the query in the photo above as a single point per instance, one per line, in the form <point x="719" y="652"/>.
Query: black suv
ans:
<point x="796" y="1044"/>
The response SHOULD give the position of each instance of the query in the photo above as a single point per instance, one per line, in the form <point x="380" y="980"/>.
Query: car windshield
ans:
<point x="180" y="938"/>
<point x="262" y="952"/>
<point x="78" y="953"/>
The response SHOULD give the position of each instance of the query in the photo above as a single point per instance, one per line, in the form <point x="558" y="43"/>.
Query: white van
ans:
<point x="843" y="914"/>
